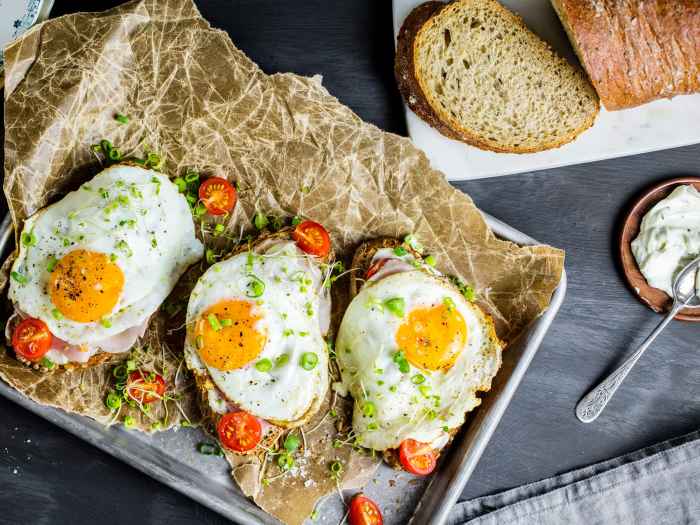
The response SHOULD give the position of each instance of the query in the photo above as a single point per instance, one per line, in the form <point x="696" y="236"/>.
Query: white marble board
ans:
<point x="659" y="125"/>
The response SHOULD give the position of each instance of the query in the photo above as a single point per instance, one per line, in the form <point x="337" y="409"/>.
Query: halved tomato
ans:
<point x="416" y="457"/>
<point x="364" y="511"/>
<point x="144" y="388"/>
<point x="239" y="431"/>
<point x="375" y="267"/>
<point x="313" y="238"/>
<point x="218" y="195"/>
<point x="31" y="339"/>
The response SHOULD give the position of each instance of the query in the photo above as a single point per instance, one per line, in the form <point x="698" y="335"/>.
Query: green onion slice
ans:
<point x="255" y="287"/>
<point x="396" y="306"/>
<point x="264" y="365"/>
<point x="214" y="322"/>
<point x="308" y="360"/>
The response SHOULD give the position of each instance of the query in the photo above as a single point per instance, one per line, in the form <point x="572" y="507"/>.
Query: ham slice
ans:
<point x="62" y="352"/>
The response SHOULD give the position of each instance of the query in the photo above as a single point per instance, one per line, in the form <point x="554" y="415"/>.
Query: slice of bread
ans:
<point x="361" y="262"/>
<point x="476" y="73"/>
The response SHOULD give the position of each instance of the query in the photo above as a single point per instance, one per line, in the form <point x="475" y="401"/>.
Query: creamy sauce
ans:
<point x="669" y="238"/>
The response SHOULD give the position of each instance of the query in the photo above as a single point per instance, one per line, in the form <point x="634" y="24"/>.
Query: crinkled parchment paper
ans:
<point x="292" y="148"/>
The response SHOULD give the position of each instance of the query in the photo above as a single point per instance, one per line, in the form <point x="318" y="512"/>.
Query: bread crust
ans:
<point x="405" y="73"/>
<point x="635" y="52"/>
<point x="409" y="82"/>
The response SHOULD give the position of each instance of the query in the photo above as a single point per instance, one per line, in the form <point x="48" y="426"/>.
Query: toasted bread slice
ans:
<point x="204" y="383"/>
<point x="476" y="73"/>
<point x="361" y="261"/>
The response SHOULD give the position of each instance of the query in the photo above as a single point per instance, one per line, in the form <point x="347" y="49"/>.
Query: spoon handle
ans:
<point x="593" y="403"/>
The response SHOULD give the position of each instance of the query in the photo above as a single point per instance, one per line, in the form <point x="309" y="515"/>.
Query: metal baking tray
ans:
<point x="171" y="457"/>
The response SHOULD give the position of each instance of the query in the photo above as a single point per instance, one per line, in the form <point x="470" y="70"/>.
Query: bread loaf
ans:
<point x="635" y="51"/>
<point x="476" y="73"/>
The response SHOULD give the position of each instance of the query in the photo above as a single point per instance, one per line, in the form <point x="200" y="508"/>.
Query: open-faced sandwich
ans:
<point x="93" y="267"/>
<point x="413" y="351"/>
<point x="256" y="322"/>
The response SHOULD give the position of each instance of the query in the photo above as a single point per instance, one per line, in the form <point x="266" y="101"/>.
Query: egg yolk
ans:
<point x="85" y="286"/>
<point x="432" y="338"/>
<point x="227" y="337"/>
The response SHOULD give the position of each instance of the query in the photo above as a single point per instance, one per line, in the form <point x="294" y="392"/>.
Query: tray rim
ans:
<point x="441" y="492"/>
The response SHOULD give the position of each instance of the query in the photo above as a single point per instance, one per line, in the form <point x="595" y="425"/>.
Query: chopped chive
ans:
<point x="287" y="332"/>
<point x="199" y="210"/>
<point x="296" y="220"/>
<point x="210" y="256"/>
<point x="56" y="314"/>
<point x="191" y="176"/>
<point x="155" y="180"/>
<point x="285" y="461"/>
<point x="369" y="409"/>
<point x="154" y="242"/>
<point x="430" y="260"/>
<point x="218" y="230"/>
<point x="401" y="361"/>
<point x="113" y="401"/>
<point x="418" y="379"/>
<point x="51" y="264"/>
<point x="29" y="239"/>
<point x="336" y="468"/>
<point x="214" y="322"/>
<point x="424" y="390"/>
<point x="199" y="341"/>
<point x="308" y="360"/>
<point x="372" y="426"/>
<point x="264" y="365"/>
<point x="129" y="422"/>
<point x="281" y="360"/>
<point x="106" y="322"/>
<point x="260" y="220"/>
<point x="400" y="251"/>
<point x="445" y="428"/>
<point x="21" y="279"/>
<point x="122" y="119"/>
<point x="226" y="322"/>
<point x="396" y="306"/>
<point x="181" y="184"/>
<point x="255" y="287"/>
<point x="291" y="443"/>
<point x="449" y="303"/>
<point x="393" y="388"/>
<point x="47" y="363"/>
<point x="114" y="154"/>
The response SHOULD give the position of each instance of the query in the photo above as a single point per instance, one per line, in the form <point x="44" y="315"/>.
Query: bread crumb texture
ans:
<point x="497" y="84"/>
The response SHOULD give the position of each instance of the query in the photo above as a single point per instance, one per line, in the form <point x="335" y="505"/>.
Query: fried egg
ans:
<point x="413" y="353"/>
<point x="98" y="263"/>
<point x="255" y="327"/>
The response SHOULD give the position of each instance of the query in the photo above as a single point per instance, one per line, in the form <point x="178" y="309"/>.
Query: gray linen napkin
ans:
<point x="654" y="486"/>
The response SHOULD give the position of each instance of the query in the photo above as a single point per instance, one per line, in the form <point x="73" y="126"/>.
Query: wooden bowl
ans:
<point x="656" y="299"/>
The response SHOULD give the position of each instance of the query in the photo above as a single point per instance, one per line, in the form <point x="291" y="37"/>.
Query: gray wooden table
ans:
<point x="49" y="476"/>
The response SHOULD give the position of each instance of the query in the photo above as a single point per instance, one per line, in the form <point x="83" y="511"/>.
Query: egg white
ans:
<point x="292" y="307"/>
<point x="136" y="214"/>
<point x="365" y="349"/>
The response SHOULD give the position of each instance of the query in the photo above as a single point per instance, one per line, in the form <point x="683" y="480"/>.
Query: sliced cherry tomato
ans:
<point x="364" y="511"/>
<point x="239" y="431"/>
<point x="376" y="266"/>
<point x="141" y="385"/>
<point x="416" y="457"/>
<point x="31" y="339"/>
<point x="218" y="195"/>
<point x="313" y="238"/>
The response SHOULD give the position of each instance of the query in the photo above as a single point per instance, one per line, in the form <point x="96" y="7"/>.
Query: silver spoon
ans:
<point x="593" y="403"/>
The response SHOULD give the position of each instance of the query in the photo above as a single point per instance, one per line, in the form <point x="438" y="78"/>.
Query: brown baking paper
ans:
<point x="292" y="149"/>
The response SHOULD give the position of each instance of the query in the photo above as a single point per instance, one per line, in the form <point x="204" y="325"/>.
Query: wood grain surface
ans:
<point x="50" y="477"/>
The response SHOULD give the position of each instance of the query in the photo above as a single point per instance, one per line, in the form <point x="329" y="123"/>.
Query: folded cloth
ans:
<point x="655" y="486"/>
